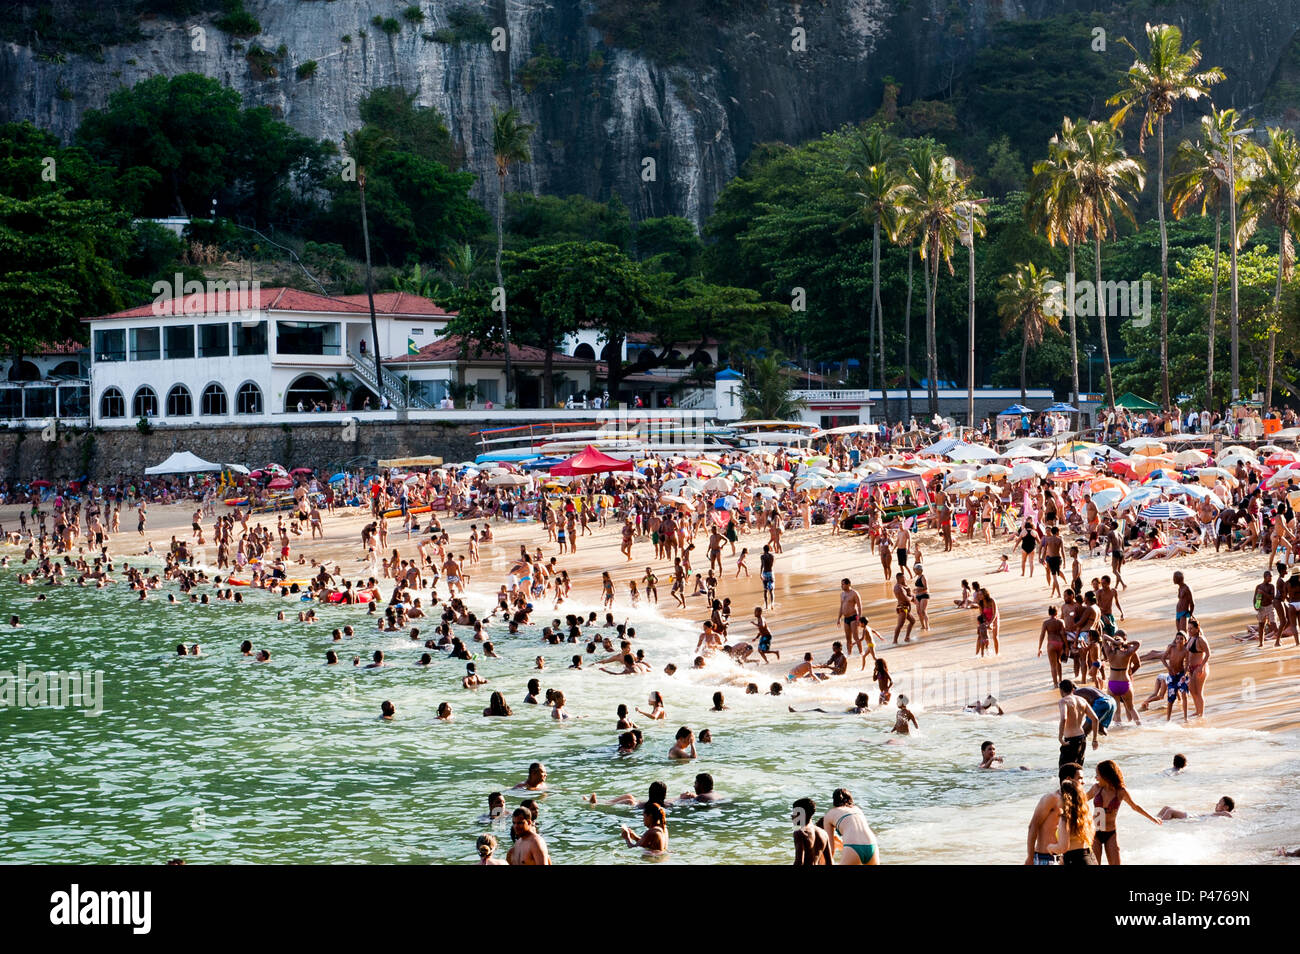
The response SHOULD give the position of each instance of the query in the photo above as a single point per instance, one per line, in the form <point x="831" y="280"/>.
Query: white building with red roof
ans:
<point x="237" y="351"/>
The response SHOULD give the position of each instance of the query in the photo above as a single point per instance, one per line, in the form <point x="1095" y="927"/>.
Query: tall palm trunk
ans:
<point x="931" y="391"/>
<point x="1214" y="304"/>
<point x="1024" y="356"/>
<point x="907" y="336"/>
<point x="505" y="326"/>
<point x="370" y="293"/>
<point x="1074" y="344"/>
<point x="1101" y="322"/>
<point x="1275" y="318"/>
<point x="877" y="313"/>
<point x="1164" y="266"/>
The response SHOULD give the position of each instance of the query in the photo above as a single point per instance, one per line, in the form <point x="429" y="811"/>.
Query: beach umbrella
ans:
<point x="766" y="492"/>
<point x="338" y="478"/>
<point x="718" y="485"/>
<point x="1154" y="449"/>
<point x="997" y="471"/>
<point x="724" y="503"/>
<point x="1287" y="434"/>
<point x="1208" y="476"/>
<point x="301" y="470"/>
<point x="257" y="474"/>
<point x="1106" y="499"/>
<point x="1138" y="443"/>
<point x="968" y="487"/>
<point x="1144" y="466"/>
<point x="848" y="488"/>
<point x="40" y="483"/>
<point x="1280" y="460"/>
<point x="1241" y="449"/>
<point x="1282" y="476"/>
<point x="774" y="477"/>
<point x="1060" y="407"/>
<point x="815" y="482"/>
<point x="1191" y="458"/>
<point x="1107" y="483"/>
<point x="1233" y="458"/>
<point x="960" y="473"/>
<point x="1139" y="496"/>
<point x="1167" y="510"/>
<point x="1272" y="449"/>
<point x="1197" y="492"/>
<point x="1025" y="450"/>
<point x="508" y="480"/>
<point x="1016" y="409"/>
<point x="965" y="451"/>
<point x="1027" y="470"/>
<point x="280" y="483"/>
<point x="674" y="500"/>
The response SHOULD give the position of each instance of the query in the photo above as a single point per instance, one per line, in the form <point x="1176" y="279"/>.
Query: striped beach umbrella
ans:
<point x="1167" y="510"/>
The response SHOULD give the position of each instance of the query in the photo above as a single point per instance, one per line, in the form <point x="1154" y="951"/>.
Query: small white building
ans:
<point x="251" y="353"/>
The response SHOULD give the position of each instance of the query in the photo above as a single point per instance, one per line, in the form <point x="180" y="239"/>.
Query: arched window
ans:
<point x="248" y="399"/>
<point x="179" y="402"/>
<point x="24" y="371"/>
<point x="213" y="401"/>
<point x="145" y="403"/>
<point x="701" y="357"/>
<point x="585" y="351"/>
<point x="308" y="390"/>
<point x="112" y="403"/>
<point x="66" y="369"/>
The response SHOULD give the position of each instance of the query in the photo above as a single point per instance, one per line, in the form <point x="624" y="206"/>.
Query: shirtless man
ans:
<point x="529" y="847"/>
<point x="1053" y="631"/>
<point x="1085" y="621"/>
<point x="1107" y="603"/>
<point x="1116" y="548"/>
<point x="1265" y="596"/>
<point x="1186" y="605"/>
<point x="805" y="670"/>
<point x="1070" y="731"/>
<point x="536" y="781"/>
<point x="1053" y="546"/>
<point x="812" y="845"/>
<point x="850" y="613"/>
<point x="1047" y="816"/>
<point x="902" y="543"/>
<point x="903" y="599"/>
<point x="1198" y="663"/>
<point x="1121" y="657"/>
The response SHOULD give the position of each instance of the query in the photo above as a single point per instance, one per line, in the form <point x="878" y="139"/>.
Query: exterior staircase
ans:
<point x="363" y="366"/>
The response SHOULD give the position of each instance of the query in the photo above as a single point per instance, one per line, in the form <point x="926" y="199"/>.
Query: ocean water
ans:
<point x="219" y="759"/>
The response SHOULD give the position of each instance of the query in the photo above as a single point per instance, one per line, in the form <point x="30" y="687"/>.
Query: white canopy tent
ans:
<point x="183" y="462"/>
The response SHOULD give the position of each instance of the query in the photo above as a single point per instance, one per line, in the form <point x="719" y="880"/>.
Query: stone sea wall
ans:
<point x="103" y="454"/>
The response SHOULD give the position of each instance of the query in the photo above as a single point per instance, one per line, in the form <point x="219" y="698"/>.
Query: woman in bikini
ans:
<point x="848" y="828"/>
<point x="921" y="593"/>
<point x="1122" y="659"/>
<point x="1107" y="794"/>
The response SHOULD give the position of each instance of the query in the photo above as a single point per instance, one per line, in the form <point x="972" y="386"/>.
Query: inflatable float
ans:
<point x="397" y="513"/>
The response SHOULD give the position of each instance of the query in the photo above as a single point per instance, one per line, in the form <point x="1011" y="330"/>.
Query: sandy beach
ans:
<point x="1248" y="687"/>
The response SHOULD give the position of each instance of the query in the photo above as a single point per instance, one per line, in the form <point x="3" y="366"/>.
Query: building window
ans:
<point x="307" y="337"/>
<point x="306" y="392"/>
<point x="179" y="402"/>
<point x="112" y="404"/>
<point x="145" y="402"/>
<point x="38" y="402"/>
<point x="250" y="338"/>
<point x="248" y="399"/>
<point x="214" y="400"/>
<point x="214" y="341"/>
<point x="110" y="345"/>
<point x="74" y="400"/>
<point x="485" y="389"/>
<point x="145" y="344"/>
<point x="178" y="342"/>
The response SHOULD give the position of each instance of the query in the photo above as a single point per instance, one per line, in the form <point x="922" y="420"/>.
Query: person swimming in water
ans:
<point x="903" y="717"/>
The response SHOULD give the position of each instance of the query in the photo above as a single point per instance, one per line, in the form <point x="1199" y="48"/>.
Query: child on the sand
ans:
<point x="1004" y="566"/>
<point x="965" y="601"/>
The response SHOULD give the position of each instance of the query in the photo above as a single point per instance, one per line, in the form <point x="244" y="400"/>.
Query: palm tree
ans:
<point x="1200" y="174"/>
<point x="461" y="262"/>
<point x="937" y="202"/>
<point x="1273" y="192"/>
<point x="765" y="393"/>
<point x="1168" y="74"/>
<point x="1027" y="301"/>
<point x="1054" y="208"/>
<point x="364" y="147"/>
<point x="509" y="146"/>
<point x="1106" y="180"/>
<point x="882" y="194"/>
<point x="340" y="386"/>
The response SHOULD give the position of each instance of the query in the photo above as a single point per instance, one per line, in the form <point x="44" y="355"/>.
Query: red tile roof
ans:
<point x="449" y="349"/>
<point x="282" y="299"/>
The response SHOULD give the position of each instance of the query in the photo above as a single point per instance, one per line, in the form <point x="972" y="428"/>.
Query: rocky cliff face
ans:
<point x="611" y="120"/>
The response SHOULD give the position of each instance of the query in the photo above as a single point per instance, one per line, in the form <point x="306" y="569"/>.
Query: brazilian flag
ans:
<point x="411" y="346"/>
